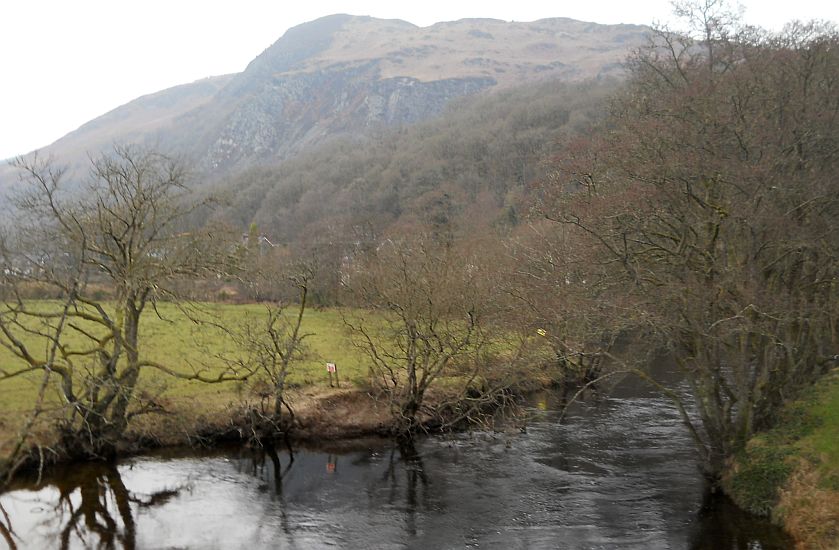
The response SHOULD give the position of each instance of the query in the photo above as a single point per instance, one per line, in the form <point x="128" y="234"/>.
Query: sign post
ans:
<point x="332" y="368"/>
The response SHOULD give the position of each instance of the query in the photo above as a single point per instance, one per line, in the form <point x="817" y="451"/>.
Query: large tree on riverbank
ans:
<point x="121" y="234"/>
<point x="712" y="194"/>
<point x="426" y="325"/>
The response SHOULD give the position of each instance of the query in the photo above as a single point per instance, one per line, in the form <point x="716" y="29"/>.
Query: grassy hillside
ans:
<point x="506" y="51"/>
<point x="342" y="75"/>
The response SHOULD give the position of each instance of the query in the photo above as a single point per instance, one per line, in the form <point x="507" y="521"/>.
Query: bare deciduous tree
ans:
<point x="123" y="231"/>
<point x="565" y="299"/>
<point x="266" y="349"/>
<point x="426" y="321"/>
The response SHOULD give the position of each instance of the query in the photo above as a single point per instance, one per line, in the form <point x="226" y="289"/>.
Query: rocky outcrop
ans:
<point x="291" y="112"/>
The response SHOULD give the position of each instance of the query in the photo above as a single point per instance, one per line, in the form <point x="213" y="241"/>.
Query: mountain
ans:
<point x="343" y="75"/>
<point x="138" y="121"/>
<point x="468" y="169"/>
<point x="143" y="120"/>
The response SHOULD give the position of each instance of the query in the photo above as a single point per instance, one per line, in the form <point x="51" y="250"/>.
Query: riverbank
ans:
<point x="791" y="473"/>
<point x="183" y="411"/>
<point x="187" y="412"/>
<point x="321" y="414"/>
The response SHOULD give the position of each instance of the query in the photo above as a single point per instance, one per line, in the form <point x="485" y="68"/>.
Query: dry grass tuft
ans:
<point x="809" y="511"/>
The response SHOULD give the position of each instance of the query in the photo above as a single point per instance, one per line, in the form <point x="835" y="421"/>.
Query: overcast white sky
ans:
<point x="65" y="62"/>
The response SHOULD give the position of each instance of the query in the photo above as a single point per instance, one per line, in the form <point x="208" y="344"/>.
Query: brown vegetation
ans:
<point x="711" y="197"/>
<point x="431" y="328"/>
<point x="808" y="511"/>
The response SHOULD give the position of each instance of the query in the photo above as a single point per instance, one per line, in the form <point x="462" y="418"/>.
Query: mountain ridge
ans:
<point x="345" y="74"/>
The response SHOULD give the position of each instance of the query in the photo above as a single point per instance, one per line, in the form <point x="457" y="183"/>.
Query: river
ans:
<point x="618" y="472"/>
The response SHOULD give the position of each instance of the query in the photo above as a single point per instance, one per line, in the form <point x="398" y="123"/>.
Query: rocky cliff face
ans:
<point x="344" y="74"/>
<point x="292" y="112"/>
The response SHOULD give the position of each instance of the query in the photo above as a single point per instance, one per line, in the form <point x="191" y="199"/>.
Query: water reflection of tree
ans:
<point x="416" y="481"/>
<point x="721" y="524"/>
<point x="259" y="468"/>
<point x="259" y="462"/>
<point x="102" y="504"/>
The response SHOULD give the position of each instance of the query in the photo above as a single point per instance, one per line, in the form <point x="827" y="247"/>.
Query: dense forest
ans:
<point x="471" y="166"/>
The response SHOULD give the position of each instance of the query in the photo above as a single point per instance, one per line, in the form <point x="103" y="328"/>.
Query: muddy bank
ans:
<point x="321" y="416"/>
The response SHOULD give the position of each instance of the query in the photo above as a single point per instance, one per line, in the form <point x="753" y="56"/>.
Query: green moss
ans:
<point x="762" y="470"/>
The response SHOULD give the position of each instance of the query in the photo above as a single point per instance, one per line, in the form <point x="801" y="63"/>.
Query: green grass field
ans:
<point x="174" y="340"/>
<point x="179" y="343"/>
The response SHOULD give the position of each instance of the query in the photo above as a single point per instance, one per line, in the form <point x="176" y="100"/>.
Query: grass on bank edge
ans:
<point x="791" y="472"/>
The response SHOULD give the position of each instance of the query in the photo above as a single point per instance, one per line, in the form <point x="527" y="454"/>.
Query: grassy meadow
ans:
<point x="174" y="340"/>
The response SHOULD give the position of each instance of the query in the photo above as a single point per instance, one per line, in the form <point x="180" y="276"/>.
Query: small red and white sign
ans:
<point x="330" y="367"/>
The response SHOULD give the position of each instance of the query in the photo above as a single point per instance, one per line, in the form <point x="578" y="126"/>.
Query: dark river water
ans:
<point x="618" y="473"/>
